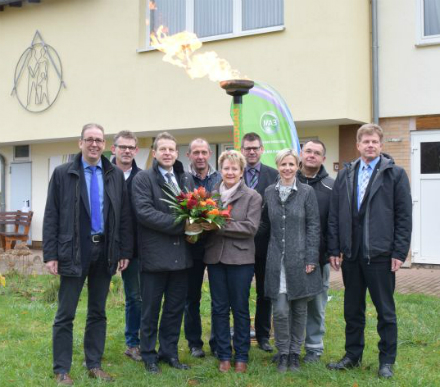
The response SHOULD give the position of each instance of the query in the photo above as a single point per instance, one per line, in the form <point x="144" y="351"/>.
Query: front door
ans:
<point x="21" y="187"/>
<point x="425" y="182"/>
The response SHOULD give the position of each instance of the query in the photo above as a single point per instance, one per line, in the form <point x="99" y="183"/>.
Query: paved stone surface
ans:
<point x="408" y="281"/>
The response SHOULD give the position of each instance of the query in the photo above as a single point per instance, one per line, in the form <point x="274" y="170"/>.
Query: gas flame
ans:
<point x="179" y="50"/>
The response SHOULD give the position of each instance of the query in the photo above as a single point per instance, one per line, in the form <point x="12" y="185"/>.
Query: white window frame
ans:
<point x="237" y="30"/>
<point x="421" y="38"/>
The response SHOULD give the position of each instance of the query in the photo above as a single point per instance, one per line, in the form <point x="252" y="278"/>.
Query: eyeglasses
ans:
<point x="252" y="148"/>
<point x="91" y="140"/>
<point x="126" y="148"/>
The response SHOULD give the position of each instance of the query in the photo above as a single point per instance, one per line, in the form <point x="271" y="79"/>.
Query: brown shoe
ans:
<point x="224" y="366"/>
<point x="64" y="379"/>
<point x="99" y="373"/>
<point x="133" y="353"/>
<point x="240" y="367"/>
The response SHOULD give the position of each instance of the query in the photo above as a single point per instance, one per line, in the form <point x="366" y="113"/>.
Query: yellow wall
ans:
<point x="320" y="64"/>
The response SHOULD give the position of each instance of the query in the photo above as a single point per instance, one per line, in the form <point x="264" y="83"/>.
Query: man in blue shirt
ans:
<point x="370" y="225"/>
<point x="86" y="219"/>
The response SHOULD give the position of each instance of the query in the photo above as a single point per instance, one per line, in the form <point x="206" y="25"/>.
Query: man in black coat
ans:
<point x="370" y="225"/>
<point x="259" y="176"/>
<point x="125" y="149"/>
<point x="87" y="217"/>
<point x="313" y="173"/>
<point x="164" y="254"/>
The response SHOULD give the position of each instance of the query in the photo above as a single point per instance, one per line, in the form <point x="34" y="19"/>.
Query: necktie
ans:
<point x="169" y="179"/>
<point x="254" y="178"/>
<point x="95" y="205"/>
<point x="364" y="182"/>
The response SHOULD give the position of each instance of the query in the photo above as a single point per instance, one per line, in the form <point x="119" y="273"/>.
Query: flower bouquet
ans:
<point x="197" y="206"/>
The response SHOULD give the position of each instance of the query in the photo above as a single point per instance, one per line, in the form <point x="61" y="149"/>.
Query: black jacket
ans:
<point x="134" y="170"/>
<point x="161" y="242"/>
<point x="64" y="238"/>
<point x="268" y="176"/>
<point x="387" y="222"/>
<point x="322" y="183"/>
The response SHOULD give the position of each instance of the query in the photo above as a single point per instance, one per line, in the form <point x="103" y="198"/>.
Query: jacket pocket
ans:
<point x="65" y="247"/>
<point x="241" y="244"/>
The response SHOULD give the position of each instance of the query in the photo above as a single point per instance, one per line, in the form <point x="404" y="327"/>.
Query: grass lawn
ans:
<point x="27" y="309"/>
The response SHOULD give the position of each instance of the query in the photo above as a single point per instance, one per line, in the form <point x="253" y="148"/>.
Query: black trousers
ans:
<point x="98" y="283"/>
<point x="192" y="319"/>
<point x="155" y="286"/>
<point x="358" y="276"/>
<point x="263" y="312"/>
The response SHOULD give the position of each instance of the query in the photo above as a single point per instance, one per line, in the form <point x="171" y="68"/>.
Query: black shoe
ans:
<point x="175" y="363"/>
<point x="283" y="363"/>
<point x="386" y="371"/>
<point x="197" y="352"/>
<point x="265" y="346"/>
<point x="152" y="368"/>
<point x="344" y="364"/>
<point x="312" y="357"/>
<point x="294" y="362"/>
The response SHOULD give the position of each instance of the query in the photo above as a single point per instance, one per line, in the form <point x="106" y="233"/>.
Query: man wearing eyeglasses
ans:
<point x="259" y="176"/>
<point x="125" y="149"/>
<point x="312" y="172"/>
<point x="87" y="234"/>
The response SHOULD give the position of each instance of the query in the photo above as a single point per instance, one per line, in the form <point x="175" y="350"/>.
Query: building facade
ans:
<point x="97" y="60"/>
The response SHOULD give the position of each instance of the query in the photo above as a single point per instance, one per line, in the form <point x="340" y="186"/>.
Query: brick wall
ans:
<point x="397" y="140"/>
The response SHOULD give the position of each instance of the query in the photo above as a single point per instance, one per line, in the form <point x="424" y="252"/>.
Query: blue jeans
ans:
<point x="315" y="327"/>
<point x="133" y="303"/>
<point x="230" y="286"/>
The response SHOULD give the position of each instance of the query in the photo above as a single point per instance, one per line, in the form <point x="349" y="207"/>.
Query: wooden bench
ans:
<point x="21" y="222"/>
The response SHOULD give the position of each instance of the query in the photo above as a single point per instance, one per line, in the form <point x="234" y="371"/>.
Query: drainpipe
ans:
<point x="375" y="59"/>
<point x="3" y="184"/>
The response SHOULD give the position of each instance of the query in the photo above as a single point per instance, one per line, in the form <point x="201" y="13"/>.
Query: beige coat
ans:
<point x="234" y="244"/>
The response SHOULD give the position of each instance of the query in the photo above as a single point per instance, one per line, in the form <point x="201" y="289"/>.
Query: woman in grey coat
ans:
<point x="291" y="216"/>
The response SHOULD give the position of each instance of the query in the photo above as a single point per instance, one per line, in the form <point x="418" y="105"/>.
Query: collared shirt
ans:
<point x="361" y="171"/>
<point x="211" y="179"/>
<point x="88" y="177"/>
<point x="173" y="176"/>
<point x="127" y="173"/>
<point x="248" y="175"/>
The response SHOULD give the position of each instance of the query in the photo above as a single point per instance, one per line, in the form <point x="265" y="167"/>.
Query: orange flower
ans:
<point x="215" y="211"/>
<point x="202" y="192"/>
<point x="210" y="202"/>
<point x="202" y="203"/>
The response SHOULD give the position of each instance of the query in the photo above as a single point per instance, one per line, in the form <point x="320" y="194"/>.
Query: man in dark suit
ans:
<point x="163" y="252"/>
<point x="87" y="216"/>
<point x="259" y="176"/>
<point x="125" y="149"/>
<point x="370" y="224"/>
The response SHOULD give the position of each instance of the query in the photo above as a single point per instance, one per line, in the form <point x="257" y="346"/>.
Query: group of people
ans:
<point x="286" y="225"/>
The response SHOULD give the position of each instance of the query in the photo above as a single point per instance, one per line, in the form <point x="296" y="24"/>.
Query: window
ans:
<point x="428" y="22"/>
<point x="21" y="152"/>
<point x="215" y="19"/>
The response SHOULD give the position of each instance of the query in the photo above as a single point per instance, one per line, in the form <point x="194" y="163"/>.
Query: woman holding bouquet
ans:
<point x="291" y="216"/>
<point x="229" y="254"/>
